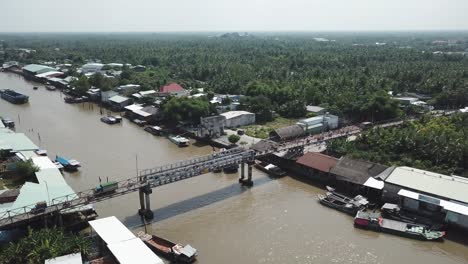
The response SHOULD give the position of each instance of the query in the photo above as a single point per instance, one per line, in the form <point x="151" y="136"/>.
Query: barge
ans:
<point x="343" y="203"/>
<point x="375" y="222"/>
<point x="394" y="212"/>
<point x="179" y="141"/>
<point x="14" y="97"/>
<point x="170" y="250"/>
<point x="271" y="169"/>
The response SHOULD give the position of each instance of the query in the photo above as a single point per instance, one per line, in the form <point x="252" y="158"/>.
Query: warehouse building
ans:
<point x="35" y="69"/>
<point x="319" y="124"/>
<point x="239" y="118"/>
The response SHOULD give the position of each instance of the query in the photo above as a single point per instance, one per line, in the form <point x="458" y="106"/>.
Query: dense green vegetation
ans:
<point x="350" y="75"/>
<point x="435" y="144"/>
<point x="43" y="244"/>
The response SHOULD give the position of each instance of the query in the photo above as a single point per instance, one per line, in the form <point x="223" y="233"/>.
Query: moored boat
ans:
<point x="342" y="202"/>
<point x="394" y="212"/>
<point x="68" y="164"/>
<point x="271" y="169"/>
<point x="375" y="222"/>
<point x="35" y="88"/>
<point x="8" y="122"/>
<point x="110" y="120"/>
<point x="14" y="97"/>
<point x="50" y="88"/>
<point x="154" y="130"/>
<point x="179" y="141"/>
<point x="172" y="251"/>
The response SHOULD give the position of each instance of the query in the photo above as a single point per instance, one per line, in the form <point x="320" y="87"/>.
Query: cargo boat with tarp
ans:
<point x="170" y="250"/>
<point x="14" y="97"/>
<point x="342" y="202"/>
<point x="375" y="222"/>
<point x="68" y="164"/>
<point x="271" y="169"/>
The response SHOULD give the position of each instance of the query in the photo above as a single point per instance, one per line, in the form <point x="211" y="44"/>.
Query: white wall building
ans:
<point x="238" y="118"/>
<point x="91" y="67"/>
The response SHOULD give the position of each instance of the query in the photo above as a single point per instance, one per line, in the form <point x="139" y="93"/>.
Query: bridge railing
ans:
<point x="154" y="177"/>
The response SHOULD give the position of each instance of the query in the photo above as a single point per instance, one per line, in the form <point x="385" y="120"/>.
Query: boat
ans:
<point x="68" y="164"/>
<point x="231" y="168"/>
<point x="139" y="122"/>
<point x="375" y="222"/>
<point x="14" y="97"/>
<point x="110" y="120"/>
<point x="50" y="88"/>
<point x="106" y="188"/>
<point x="343" y="203"/>
<point x="154" y="130"/>
<point x="41" y="152"/>
<point x="58" y="165"/>
<point x="270" y="169"/>
<point x="170" y="250"/>
<point x="394" y="212"/>
<point x="8" y="122"/>
<point x="179" y="141"/>
<point x="35" y="88"/>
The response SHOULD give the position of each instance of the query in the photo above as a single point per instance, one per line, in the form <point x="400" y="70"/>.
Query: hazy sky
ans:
<point x="232" y="15"/>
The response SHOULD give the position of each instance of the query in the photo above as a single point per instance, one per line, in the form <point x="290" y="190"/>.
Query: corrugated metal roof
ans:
<point x="16" y="142"/>
<point x="356" y="171"/>
<point x="451" y="187"/>
<point x="118" y="99"/>
<point x="447" y="205"/>
<point x="67" y="259"/>
<point x="290" y="132"/>
<point x="317" y="161"/>
<point x="233" y="114"/>
<point x="37" y="69"/>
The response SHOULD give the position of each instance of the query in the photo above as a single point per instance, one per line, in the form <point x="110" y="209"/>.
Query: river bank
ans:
<point x="276" y="221"/>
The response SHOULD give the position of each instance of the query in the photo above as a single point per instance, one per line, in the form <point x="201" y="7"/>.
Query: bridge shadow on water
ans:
<point x="196" y="202"/>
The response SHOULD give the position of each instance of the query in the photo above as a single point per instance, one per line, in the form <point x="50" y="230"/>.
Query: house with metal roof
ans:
<point x="285" y="133"/>
<point x="319" y="124"/>
<point x="315" y="166"/>
<point x="353" y="174"/>
<point x="451" y="188"/>
<point x="119" y="102"/>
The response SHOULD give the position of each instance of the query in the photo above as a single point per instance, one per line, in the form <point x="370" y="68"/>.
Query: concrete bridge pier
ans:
<point x="248" y="181"/>
<point x="145" y="202"/>
<point x="242" y="177"/>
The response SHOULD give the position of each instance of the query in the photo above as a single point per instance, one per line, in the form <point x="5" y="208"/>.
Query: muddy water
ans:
<point x="276" y="221"/>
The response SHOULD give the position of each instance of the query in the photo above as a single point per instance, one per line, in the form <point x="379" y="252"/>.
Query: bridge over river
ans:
<point x="143" y="183"/>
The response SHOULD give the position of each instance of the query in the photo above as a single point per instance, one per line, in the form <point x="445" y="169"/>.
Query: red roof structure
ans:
<point x="171" y="88"/>
<point x="317" y="161"/>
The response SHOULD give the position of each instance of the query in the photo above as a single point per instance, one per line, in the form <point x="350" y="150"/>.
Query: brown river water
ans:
<point x="276" y="221"/>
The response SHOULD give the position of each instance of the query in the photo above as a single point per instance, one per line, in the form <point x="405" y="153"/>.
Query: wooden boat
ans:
<point x="8" y="122"/>
<point x="68" y="164"/>
<point x="41" y="152"/>
<point x="343" y="203"/>
<point x="110" y="120"/>
<point x="179" y="141"/>
<point x="35" y="88"/>
<point x="172" y="251"/>
<point x="14" y="97"/>
<point x="270" y="169"/>
<point x="154" y="130"/>
<point x="375" y="222"/>
<point x="394" y="212"/>
<point x="231" y="168"/>
<point x="50" y="88"/>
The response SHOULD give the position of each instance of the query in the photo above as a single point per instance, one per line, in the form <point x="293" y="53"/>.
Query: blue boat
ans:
<point x="68" y="164"/>
<point x="14" y="97"/>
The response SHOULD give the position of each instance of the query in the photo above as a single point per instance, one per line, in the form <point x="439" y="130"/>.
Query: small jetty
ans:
<point x="169" y="250"/>
<point x="375" y="222"/>
<point x="14" y="97"/>
<point x="271" y="169"/>
<point x="180" y="141"/>
<point x="68" y="164"/>
<point x="342" y="202"/>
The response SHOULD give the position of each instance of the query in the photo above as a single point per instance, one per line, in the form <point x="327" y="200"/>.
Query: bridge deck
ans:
<point x="153" y="178"/>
